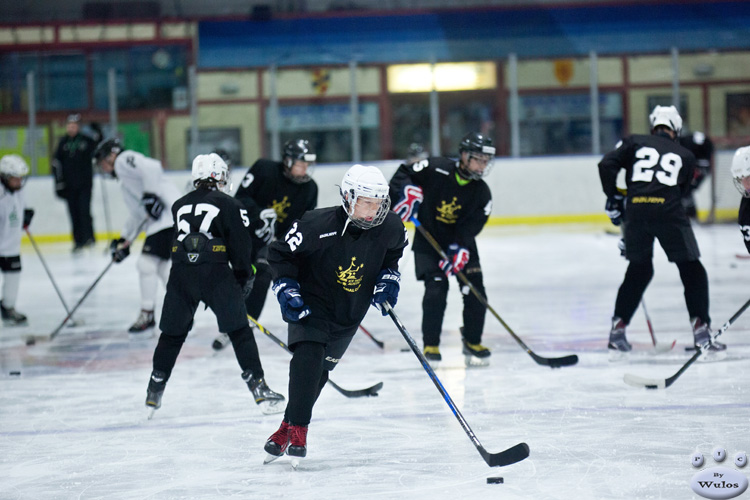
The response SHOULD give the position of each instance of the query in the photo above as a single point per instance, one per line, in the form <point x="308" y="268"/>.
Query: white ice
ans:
<point x="73" y="424"/>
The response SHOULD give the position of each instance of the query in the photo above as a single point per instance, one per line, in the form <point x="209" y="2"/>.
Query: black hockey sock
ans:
<point x="246" y="351"/>
<point x="474" y="312"/>
<point x="433" y="308"/>
<point x="695" y="281"/>
<point x="166" y="352"/>
<point x="637" y="278"/>
<point x="256" y="300"/>
<point x="305" y="374"/>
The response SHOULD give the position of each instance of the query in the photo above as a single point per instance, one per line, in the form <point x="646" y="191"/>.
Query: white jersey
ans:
<point x="140" y="174"/>
<point x="11" y="221"/>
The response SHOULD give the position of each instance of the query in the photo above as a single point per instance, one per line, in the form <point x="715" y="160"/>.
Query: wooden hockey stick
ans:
<point x="568" y="360"/>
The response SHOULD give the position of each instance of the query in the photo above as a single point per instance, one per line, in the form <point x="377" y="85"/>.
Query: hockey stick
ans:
<point x="370" y="391"/>
<point x="658" y="348"/>
<point x="378" y="342"/>
<point x="506" y="457"/>
<point x="568" y="360"/>
<point x="72" y="322"/>
<point x="649" y="383"/>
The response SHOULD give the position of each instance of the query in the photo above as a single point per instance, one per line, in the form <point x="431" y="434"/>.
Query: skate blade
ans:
<point x="616" y="356"/>
<point x="270" y="458"/>
<point x="712" y="356"/>
<point x="660" y="348"/>
<point x="295" y="462"/>
<point x="151" y="412"/>
<point x="272" y="407"/>
<point x="474" y="362"/>
<point x="434" y="364"/>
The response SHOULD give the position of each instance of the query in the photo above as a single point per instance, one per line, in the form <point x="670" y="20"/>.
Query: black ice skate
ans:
<point x="221" y="342"/>
<point x="277" y="443"/>
<point x="713" y="349"/>
<point x="432" y="355"/>
<point x="144" y="324"/>
<point x="11" y="317"/>
<point x="297" y="443"/>
<point x="270" y="402"/>
<point x="619" y="347"/>
<point x="476" y="354"/>
<point x="156" y="385"/>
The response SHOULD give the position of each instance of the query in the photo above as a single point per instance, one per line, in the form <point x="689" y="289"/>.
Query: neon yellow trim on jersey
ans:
<point x="461" y="181"/>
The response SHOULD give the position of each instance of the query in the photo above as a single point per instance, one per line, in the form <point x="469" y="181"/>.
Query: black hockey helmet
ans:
<point x="224" y="154"/>
<point x="104" y="149"/>
<point x="297" y="150"/>
<point x="415" y="152"/>
<point x="478" y="146"/>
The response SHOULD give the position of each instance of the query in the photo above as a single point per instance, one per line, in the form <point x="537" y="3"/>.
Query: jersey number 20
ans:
<point x="670" y="163"/>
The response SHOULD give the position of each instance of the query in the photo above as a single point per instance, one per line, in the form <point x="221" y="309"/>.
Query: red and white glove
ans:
<point x="409" y="204"/>
<point x="456" y="261"/>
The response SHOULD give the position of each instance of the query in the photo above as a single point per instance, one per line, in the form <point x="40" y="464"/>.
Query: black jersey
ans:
<point x="217" y="215"/>
<point x="453" y="211"/>
<point x="744" y="221"/>
<point x="658" y="172"/>
<point x="337" y="273"/>
<point x="701" y="146"/>
<point x="266" y="186"/>
<point x="72" y="165"/>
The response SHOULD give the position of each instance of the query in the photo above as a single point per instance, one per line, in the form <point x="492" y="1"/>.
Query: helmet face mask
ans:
<point x="666" y="116"/>
<point x="741" y="170"/>
<point x="13" y="172"/>
<point x="298" y="158"/>
<point x="477" y="162"/>
<point x="364" y="196"/>
<point x="211" y="172"/>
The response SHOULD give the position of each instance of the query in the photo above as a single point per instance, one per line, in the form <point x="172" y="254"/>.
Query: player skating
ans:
<point x="275" y="194"/>
<point x="331" y="265"/>
<point x="211" y="234"/>
<point x="658" y="173"/>
<point x="14" y="217"/>
<point x="453" y="203"/>
<point x="148" y="195"/>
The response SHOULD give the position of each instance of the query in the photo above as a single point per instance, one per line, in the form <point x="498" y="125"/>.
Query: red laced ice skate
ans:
<point x="277" y="443"/>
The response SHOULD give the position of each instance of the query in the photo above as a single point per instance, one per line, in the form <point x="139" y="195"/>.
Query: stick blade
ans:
<point x="569" y="360"/>
<point x="507" y="457"/>
<point x="660" y="348"/>
<point x="643" y="382"/>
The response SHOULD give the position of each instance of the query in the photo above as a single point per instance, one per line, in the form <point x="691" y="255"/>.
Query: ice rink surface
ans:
<point x="73" y="425"/>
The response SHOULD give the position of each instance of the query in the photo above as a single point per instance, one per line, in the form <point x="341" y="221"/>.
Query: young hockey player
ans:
<point x="453" y="203"/>
<point x="14" y="218"/>
<point x="211" y="234"/>
<point x="658" y="173"/>
<point x="330" y="266"/>
<point x="148" y="195"/>
<point x="274" y="194"/>
<point x="741" y="177"/>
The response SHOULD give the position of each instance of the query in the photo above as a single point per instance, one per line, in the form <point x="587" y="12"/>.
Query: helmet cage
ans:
<point x="13" y="166"/>
<point x="298" y="150"/>
<point x="741" y="169"/>
<point x="365" y="182"/>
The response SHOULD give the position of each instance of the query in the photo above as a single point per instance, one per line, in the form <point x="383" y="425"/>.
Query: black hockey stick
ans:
<point x="378" y="342"/>
<point x="650" y="383"/>
<point x="49" y="275"/>
<point x="568" y="360"/>
<point x="506" y="457"/>
<point x="370" y="391"/>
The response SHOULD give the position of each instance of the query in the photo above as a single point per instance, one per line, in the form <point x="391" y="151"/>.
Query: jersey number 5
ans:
<point x="670" y="163"/>
<point x="208" y="211"/>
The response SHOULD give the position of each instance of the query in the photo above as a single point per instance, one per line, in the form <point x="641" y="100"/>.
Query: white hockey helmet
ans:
<point x="667" y="116"/>
<point x="741" y="169"/>
<point x="362" y="181"/>
<point x="211" y="171"/>
<point x="13" y="166"/>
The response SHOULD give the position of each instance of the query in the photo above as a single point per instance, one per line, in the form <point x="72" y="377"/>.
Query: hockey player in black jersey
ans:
<point x="702" y="147"/>
<point x="741" y="178"/>
<point x="210" y="235"/>
<point x="453" y="203"/>
<point x="331" y="265"/>
<point x="658" y="172"/>
<point x="274" y="194"/>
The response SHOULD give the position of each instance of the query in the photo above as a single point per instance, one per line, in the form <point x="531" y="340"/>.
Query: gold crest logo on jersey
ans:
<point x="280" y="208"/>
<point x="447" y="212"/>
<point x="348" y="277"/>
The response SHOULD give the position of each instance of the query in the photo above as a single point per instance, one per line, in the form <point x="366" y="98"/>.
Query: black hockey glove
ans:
<point x="287" y="292"/>
<point x="267" y="231"/>
<point x="386" y="289"/>
<point x="152" y="204"/>
<point x="120" y="249"/>
<point x="28" y="214"/>
<point x="614" y="208"/>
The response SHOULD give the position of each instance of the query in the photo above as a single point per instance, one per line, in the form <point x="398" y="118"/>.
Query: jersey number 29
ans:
<point x="670" y="163"/>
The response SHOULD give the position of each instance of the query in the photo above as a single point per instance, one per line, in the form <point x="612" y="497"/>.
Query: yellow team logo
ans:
<point x="348" y="277"/>
<point x="447" y="212"/>
<point x="280" y="208"/>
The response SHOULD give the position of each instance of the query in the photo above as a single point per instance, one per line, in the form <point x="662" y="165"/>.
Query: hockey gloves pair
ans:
<point x="119" y="249"/>
<point x="457" y="259"/>
<point x="386" y="289"/>
<point x="267" y="231"/>
<point x="28" y="214"/>
<point x="409" y="204"/>
<point x="153" y="205"/>
<point x="287" y="292"/>
<point x="614" y="208"/>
